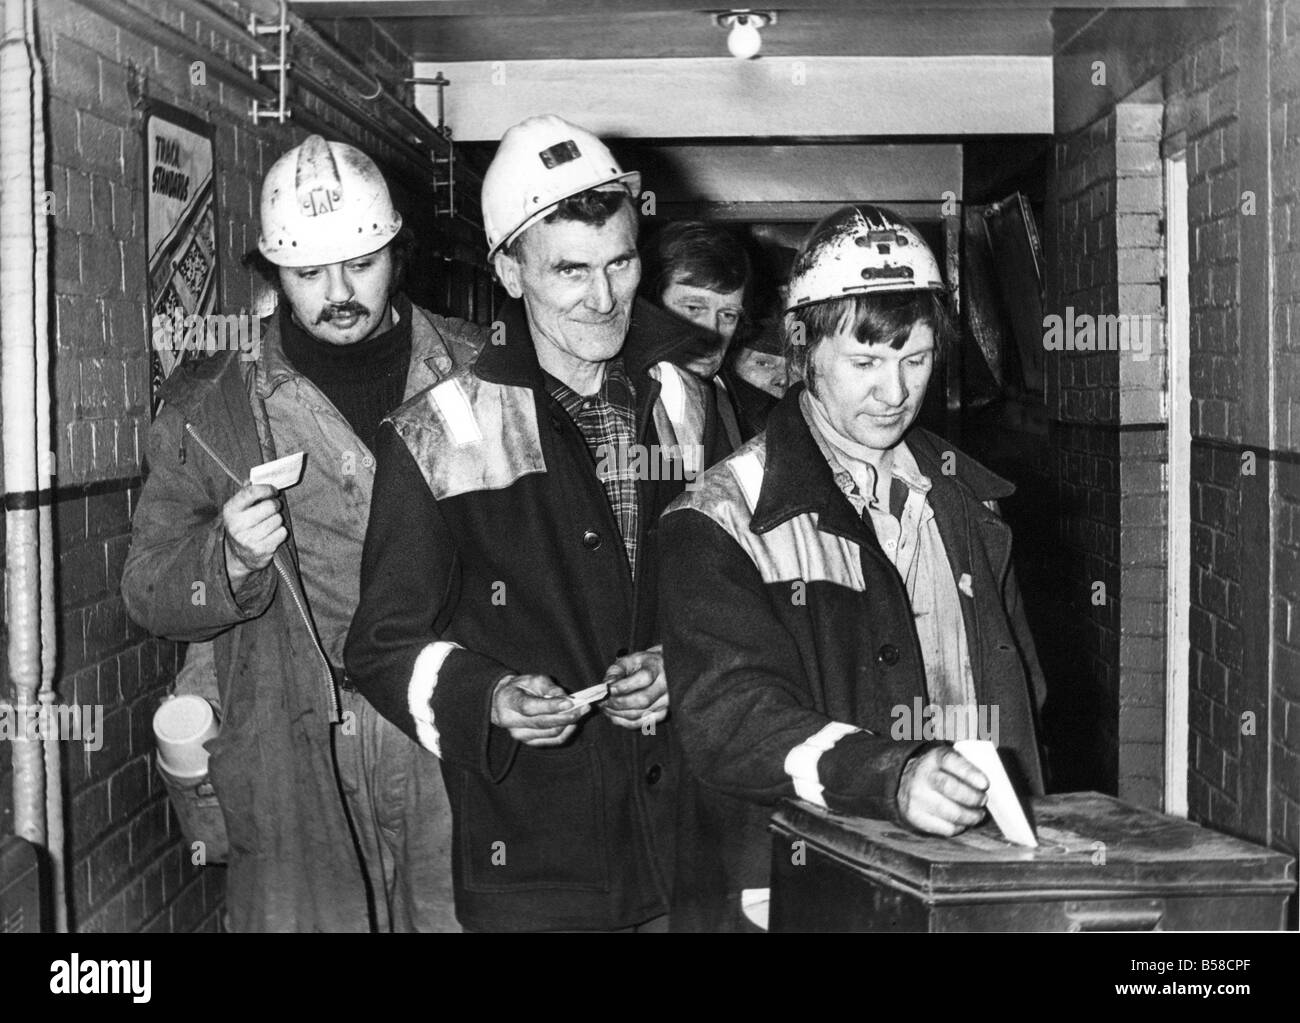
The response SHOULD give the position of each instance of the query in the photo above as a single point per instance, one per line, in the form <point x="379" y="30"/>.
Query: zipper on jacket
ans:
<point x="331" y="688"/>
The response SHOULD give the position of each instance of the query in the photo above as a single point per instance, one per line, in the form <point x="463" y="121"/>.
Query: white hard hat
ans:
<point x="861" y="250"/>
<point x="324" y="202"/>
<point x="539" y="163"/>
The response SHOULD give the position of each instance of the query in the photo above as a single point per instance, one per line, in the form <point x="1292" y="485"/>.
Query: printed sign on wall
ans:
<point x="181" y="233"/>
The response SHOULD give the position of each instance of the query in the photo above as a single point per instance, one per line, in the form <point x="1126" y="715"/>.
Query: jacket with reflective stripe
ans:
<point x="782" y="614"/>
<point x="490" y="530"/>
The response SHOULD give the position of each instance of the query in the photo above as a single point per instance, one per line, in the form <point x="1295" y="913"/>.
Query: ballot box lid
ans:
<point x="1087" y="841"/>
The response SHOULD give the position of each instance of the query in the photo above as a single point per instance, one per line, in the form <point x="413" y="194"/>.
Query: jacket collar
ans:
<point x="428" y="349"/>
<point x="798" y="479"/>
<point x="653" y="336"/>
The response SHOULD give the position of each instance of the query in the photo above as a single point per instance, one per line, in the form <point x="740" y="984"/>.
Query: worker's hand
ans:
<point x="638" y="689"/>
<point x="254" y="529"/>
<point x="534" y="710"/>
<point x="942" y="793"/>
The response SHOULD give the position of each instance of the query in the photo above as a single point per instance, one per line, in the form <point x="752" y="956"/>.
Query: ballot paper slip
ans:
<point x="591" y="694"/>
<point x="1003" y="803"/>
<point x="282" y="473"/>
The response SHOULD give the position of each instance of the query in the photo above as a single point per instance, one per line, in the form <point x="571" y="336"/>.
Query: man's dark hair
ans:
<point x="592" y="207"/>
<point x="694" y="253"/>
<point x="886" y="318"/>
<point x="402" y="247"/>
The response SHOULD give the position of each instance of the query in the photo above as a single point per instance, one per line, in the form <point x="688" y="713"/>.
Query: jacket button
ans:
<point x="556" y="425"/>
<point x="591" y="540"/>
<point x="653" y="774"/>
<point x="887" y="654"/>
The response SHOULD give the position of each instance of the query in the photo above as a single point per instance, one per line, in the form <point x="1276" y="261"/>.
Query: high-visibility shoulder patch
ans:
<point x="793" y="551"/>
<point x="453" y="406"/>
<point x="467" y="434"/>
<point x="748" y="470"/>
<point x="672" y="390"/>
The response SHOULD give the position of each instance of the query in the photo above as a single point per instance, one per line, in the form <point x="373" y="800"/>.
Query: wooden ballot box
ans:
<point x="1101" y="865"/>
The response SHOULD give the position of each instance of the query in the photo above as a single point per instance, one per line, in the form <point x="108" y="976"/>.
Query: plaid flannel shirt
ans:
<point x="607" y="420"/>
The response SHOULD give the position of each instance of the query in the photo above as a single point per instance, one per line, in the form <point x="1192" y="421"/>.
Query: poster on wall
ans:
<point x="181" y="233"/>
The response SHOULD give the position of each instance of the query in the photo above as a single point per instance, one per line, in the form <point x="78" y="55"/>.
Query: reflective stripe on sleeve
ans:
<point x="801" y="762"/>
<point x="419" y="693"/>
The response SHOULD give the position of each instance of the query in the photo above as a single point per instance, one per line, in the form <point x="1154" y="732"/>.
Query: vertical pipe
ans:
<point x="45" y="473"/>
<point x="18" y="392"/>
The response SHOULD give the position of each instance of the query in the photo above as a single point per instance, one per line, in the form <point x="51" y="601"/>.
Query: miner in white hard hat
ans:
<point x="906" y="633"/>
<point x="257" y="566"/>
<point x="508" y="616"/>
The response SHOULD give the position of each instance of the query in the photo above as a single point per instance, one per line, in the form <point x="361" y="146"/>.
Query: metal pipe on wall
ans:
<point x="45" y="474"/>
<point x="18" y="343"/>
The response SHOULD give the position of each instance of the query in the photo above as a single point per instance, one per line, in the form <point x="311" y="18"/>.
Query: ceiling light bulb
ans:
<point x="743" y="40"/>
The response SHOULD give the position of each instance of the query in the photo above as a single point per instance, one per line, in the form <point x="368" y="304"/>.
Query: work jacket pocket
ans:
<point x="542" y="827"/>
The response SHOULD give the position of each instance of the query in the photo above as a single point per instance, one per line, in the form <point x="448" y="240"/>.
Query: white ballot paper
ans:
<point x="282" y="473"/>
<point x="590" y="695"/>
<point x="1003" y="803"/>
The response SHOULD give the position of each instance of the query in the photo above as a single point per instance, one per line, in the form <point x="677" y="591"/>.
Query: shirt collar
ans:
<point x="798" y="479"/>
<point x="902" y="462"/>
<point x="615" y="391"/>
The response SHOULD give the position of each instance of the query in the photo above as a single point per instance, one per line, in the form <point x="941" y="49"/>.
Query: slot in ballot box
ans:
<point x="1101" y="865"/>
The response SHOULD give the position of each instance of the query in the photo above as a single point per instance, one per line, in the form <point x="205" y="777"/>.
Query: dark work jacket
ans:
<point x="752" y="404"/>
<point x="782" y="614"/>
<point x="490" y="530"/>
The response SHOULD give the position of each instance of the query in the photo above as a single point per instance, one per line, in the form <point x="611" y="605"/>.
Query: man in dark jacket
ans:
<point x="755" y="374"/>
<point x="837" y="594"/>
<point x="270" y="576"/>
<point x="512" y="557"/>
<point x="701" y="273"/>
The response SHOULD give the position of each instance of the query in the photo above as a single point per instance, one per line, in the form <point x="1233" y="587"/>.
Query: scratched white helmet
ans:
<point x="539" y="163"/>
<point x="861" y="250"/>
<point x="325" y="202"/>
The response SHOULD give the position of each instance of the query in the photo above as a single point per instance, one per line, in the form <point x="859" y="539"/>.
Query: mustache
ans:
<point x="330" y="312"/>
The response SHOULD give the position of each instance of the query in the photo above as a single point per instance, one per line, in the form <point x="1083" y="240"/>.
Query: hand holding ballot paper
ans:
<point x="253" y="524"/>
<point x="946" y="790"/>
<point x="638" y="690"/>
<point x="282" y="473"/>
<point x="1003" y="803"/>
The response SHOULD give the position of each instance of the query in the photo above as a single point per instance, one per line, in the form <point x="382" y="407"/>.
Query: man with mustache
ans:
<point x="311" y="781"/>
<point x="512" y="556"/>
<point x="841" y="565"/>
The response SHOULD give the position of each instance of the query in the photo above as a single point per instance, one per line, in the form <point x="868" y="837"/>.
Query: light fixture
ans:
<point x="743" y="40"/>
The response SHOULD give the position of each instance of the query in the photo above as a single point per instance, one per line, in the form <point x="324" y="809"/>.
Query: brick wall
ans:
<point x="1081" y="658"/>
<point x="127" y="869"/>
<point x="1104" y="234"/>
<point x="1202" y="119"/>
<point x="1143" y="446"/>
<point x="1284" y="735"/>
<point x="1104" y="253"/>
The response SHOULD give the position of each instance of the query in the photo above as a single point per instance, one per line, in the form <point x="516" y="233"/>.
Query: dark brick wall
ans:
<point x="127" y="869"/>
<point x="1081" y="656"/>
<point x="1284" y="735"/>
